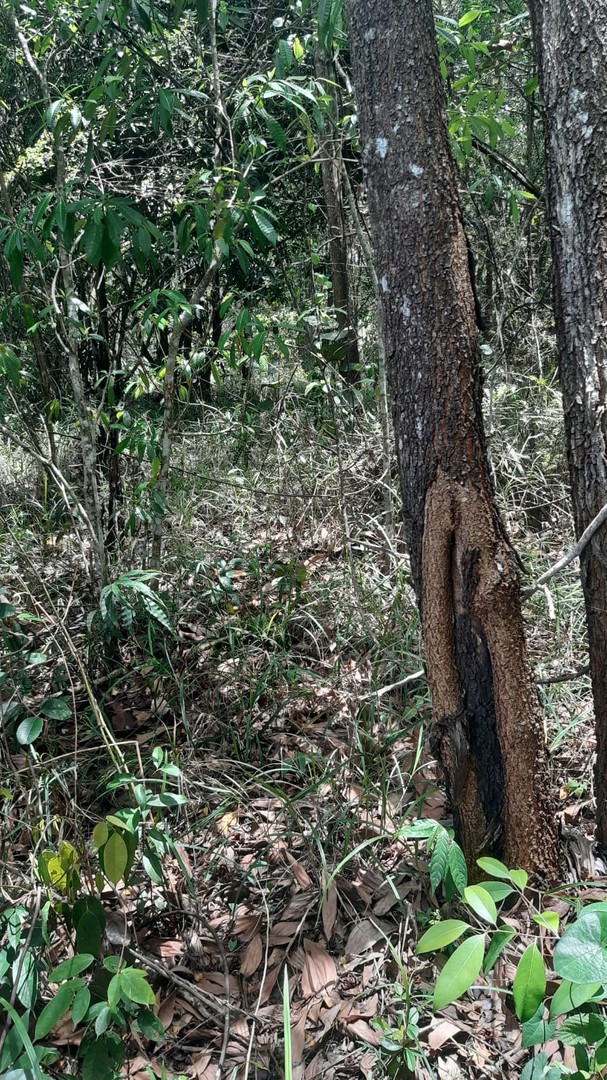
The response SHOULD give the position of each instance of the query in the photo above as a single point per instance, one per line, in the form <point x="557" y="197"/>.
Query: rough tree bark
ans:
<point x="571" y="48"/>
<point x="487" y="723"/>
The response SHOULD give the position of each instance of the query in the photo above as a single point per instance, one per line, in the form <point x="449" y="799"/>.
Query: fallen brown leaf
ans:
<point x="252" y="956"/>
<point x="319" y="969"/>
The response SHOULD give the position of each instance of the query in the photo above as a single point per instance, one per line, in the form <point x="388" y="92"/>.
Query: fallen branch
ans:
<point x="571" y="555"/>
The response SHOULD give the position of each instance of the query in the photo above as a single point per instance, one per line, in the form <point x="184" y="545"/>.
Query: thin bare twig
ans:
<point x="571" y="555"/>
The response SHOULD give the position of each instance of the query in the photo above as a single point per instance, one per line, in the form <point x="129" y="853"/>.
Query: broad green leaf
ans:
<point x="529" y="984"/>
<point x="54" y="1010"/>
<point x="20" y="1024"/>
<point x="581" y="954"/>
<point x="470" y="17"/>
<point x="69" y="968"/>
<point x="498" y="890"/>
<point x="25" y="982"/>
<point x="100" y="834"/>
<point x="56" y="709"/>
<point x="582" y="1030"/>
<point x="150" y="1025"/>
<point x="152" y="866"/>
<point x="52" y="112"/>
<point x="457" y="866"/>
<point x="80" y="1006"/>
<point x="536" y="1030"/>
<point x="460" y="972"/>
<point x="135" y="987"/>
<point x="92" y="240"/>
<point x="439" y="860"/>
<point x="103" y="1020"/>
<point x="103" y="1058"/>
<point x="441" y="934"/>
<point x="115" y="858"/>
<point x="88" y="934"/>
<point x="498" y="943"/>
<point x="538" y="1069"/>
<point x="494" y="867"/>
<point x="481" y="903"/>
<point x="569" y="996"/>
<point x="88" y="904"/>
<point x="114" y="991"/>
<point x="29" y="730"/>
<point x="520" y="878"/>
<point x="548" y="919"/>
<point x="265" y="226"/>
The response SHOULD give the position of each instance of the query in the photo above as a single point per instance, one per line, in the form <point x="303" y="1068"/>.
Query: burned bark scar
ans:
<point x="475" y="671"/>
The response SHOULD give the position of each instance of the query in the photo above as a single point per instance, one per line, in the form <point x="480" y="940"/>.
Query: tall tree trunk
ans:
<point x="487" y="722"/>
<point x="571" y="49"/>
<point x="330" y="164"/>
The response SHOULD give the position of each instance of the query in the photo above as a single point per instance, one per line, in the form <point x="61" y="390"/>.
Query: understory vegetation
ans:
<point x="225" y="845"/>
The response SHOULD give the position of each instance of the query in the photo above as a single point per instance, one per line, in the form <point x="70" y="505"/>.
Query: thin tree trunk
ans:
<point x="571" y="48"/>
<point x="71" y="334"/>
<point x="487" y="723"/>
<point x="330" y="164"/>
<point x="384" y="403"/>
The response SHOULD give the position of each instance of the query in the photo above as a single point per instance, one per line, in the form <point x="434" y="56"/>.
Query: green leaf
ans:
<point x="498" y="943"/>
<point x="536" y="1030"/>
<point x="439" y="859"/>
<point x="103" y="1058"/>
<point x="152" y="866"/>
<point x="80" y="1006"/>
<point x="22" y="1031"/>
<point x="69" y="968"/>
<point x="150" y="1026"/>
<point x="458" y="868"/>
<point x="585" y="1029"/>
<point x="548" y="919"/>
<point x="581" y="954"/>
<point x="24" y="972"/>
<point x="538" y="1069"/>
<point x="88" y="934"/>
<point x="441" y="934"/>
<point x="36" y="658"/>
<point x="460" y="972"/>
<point x="103" y="1019"/>
<point x="29" y="730"/>
<point x="54" y="1010"/>
<point x="52" y="112"/>
<point x="114" y="991"/>
<point x="92" y="240"/>
<point x="100" y="834"/>
<point x="115" y="858"/>
<point x="88" y="904"/>
<point x="265" y="226"/>
<point x="470" y="17"/>
<point x="498" y="890"/>
<point x="569" y="996"/>
<point x="529" y="984"/>
<point x="56" y="709"/>
<point x="135" y="987"/>
<point x="520" y="878"/>
<point x="494" y="867"/>
<point x="481" y="903"/>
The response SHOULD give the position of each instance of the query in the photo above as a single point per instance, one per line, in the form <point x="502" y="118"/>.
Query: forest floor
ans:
<point x="300" y="765"/>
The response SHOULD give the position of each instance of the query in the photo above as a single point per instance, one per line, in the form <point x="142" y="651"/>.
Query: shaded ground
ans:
<point x="289" y="619"/>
